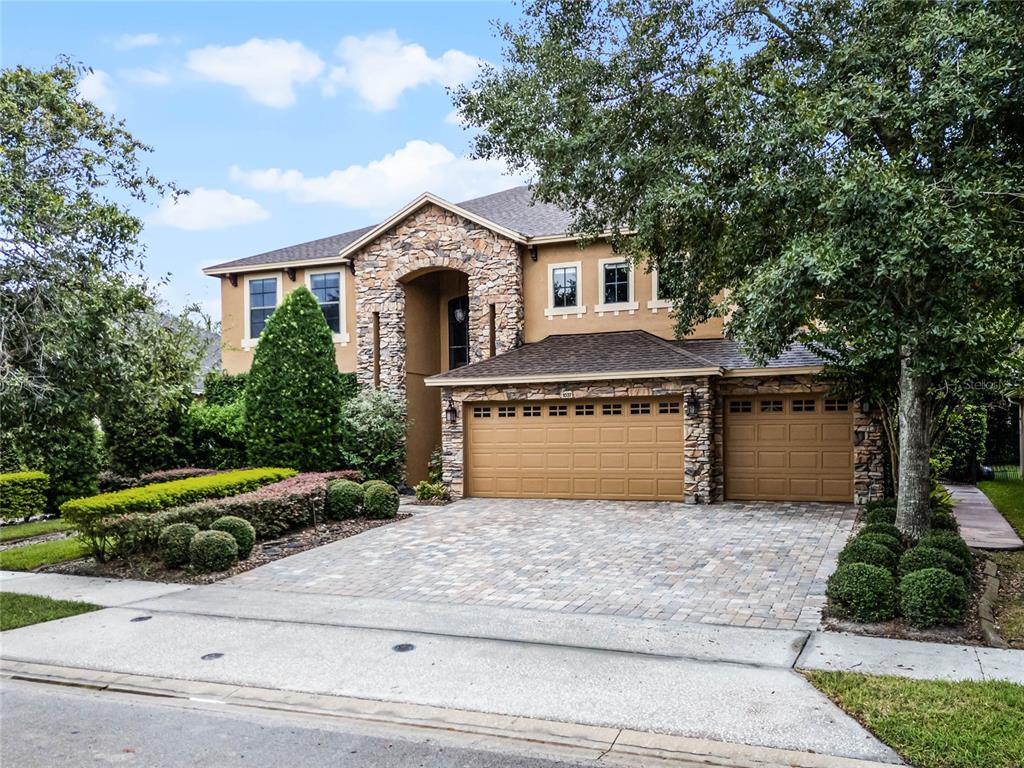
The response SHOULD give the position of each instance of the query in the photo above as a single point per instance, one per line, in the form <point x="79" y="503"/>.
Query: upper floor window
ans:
<point x="326" y="286"/>
<point x="616" y="283"/>
<point x="565" y="281"/>
<point x="262" y="302"/>
<point x="565" y="289"/>
<point x="657" y="300"/>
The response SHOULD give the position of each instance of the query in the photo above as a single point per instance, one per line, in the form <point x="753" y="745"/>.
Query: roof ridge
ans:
<point x="679" y="350"/>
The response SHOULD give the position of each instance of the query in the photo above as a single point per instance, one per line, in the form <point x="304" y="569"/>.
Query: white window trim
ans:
<point x="341" y="337"/>
<point x="580" y="309"/>
<point x="655" y="303"/>
<point x="248" y="342"/>
<point x="630" y="306"/>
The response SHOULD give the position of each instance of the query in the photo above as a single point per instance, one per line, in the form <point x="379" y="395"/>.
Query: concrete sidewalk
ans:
<point x="981" y="525"/>
<point x="87" y="589"/>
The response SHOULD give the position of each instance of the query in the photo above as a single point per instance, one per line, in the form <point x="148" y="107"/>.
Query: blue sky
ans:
<point x="287" y="121"/>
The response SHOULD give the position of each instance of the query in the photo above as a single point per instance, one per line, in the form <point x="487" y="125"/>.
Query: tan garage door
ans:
<point x="576" y="449"/>
<point x="788" y="448"/>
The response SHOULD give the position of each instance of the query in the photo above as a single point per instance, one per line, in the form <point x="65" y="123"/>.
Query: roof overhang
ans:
<point x="221" y="271"/>
<point x="794" y="370"/>
<point x="554" y="378"/>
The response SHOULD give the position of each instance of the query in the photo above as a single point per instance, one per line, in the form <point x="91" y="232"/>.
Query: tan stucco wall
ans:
<point x="236" y="359"/>
<point x="535" y="288"/>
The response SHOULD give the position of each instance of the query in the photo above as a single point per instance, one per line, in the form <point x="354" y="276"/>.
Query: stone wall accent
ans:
<point x="699" y="449"/>
<point x="429" y="238"/>
<point x="868" y="479"/>
<point x="452" y="434"/>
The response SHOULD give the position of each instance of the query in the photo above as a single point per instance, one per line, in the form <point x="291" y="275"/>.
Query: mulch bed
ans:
<point x="968" y="633"/>
<point x="151" y="569"/>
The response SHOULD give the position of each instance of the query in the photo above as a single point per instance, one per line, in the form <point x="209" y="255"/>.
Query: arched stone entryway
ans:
<point x="395" y="275"/>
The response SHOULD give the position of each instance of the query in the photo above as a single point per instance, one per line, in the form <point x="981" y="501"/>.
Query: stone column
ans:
<point x="698" y="433"/>
<point x="451" y="446"/>
<point x="868" y="469"/>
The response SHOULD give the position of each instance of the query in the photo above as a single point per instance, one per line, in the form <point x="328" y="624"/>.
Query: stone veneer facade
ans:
<point x="431" y="238"/>
<point x="702" y="435"/>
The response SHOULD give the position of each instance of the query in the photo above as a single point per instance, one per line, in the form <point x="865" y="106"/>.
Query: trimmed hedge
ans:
<point x="944" y="520"/>
<point x="369" y="483"/>
<point x="921" y="557"/>
<point x="862" y="592"/>
<point x="381" y="501"/>
<point x="111" y="481"/>
<point x="951" y="542"/>
<point x="240" y="530"/>
<point x="91" y="515"/>
<point x="344" y="499"/>
<point x="23" y="494"/>
<point x="173" y="544"/>
<point x="892" y="544"/>
<point x="933" y="597"/>
<point x="861" y="551"/>
<point x="885" y="515"/>
<point x="212" y="551"/>
<point x="885" y="529"/>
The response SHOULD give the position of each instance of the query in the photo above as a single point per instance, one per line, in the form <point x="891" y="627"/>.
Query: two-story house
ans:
<point x="543" y="369"/>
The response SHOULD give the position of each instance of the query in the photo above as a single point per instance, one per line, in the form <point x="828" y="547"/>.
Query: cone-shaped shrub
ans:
<point x="293" y="395"/>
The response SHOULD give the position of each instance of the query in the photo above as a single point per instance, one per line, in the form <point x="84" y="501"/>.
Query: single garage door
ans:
<point x="630" y="448"/>
<point x="788" y="448"/>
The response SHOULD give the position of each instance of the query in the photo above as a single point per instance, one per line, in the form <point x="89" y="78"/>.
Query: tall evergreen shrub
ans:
<point x="293" y="394"/>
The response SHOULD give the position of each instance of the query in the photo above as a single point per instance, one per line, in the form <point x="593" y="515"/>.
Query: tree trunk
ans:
<point x="914" y="483"/>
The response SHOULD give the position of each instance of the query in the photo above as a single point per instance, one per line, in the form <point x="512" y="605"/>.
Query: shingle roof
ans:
<point x="615" y="352"/>
<point x="728" y="353"/>
<point x="512" y="209"/>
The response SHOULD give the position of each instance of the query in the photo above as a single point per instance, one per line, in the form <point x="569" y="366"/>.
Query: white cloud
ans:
<point x="455" y="118"/>
<point x="267" y="70"/>
<point x="209" y="209"/>
<point x="142" y="40"/>
<point x="380" y="67"/>
<point x="144" y="76"/>
<point x="96" y="87"/>
<point x="388" y="183"/>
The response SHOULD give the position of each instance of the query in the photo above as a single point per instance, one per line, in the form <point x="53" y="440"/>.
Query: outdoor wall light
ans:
<point x="451" y="413"/>
<point x="865" y="406"/>
<point x="460" y="315"/>
<point x="692" y="404"/>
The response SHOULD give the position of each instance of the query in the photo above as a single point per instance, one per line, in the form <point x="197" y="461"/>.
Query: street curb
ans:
<point x="987" y="604"/>
<point x="612" y="746"/>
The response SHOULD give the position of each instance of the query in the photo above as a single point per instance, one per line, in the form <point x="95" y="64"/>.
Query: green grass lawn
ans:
<point x="33" y="555"/>
<point x="27" y="530"/>
<point x="21" y="610"/>
<point x="935" y="723"/>
<point x="1008" y="496"/>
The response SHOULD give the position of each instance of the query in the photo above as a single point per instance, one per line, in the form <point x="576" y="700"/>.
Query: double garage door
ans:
<point x="778" y="447"/>
<point x="631" y="448"/>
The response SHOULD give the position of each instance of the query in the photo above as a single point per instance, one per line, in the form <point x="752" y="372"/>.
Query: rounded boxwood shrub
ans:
<point x="933" y="597"/>
<point x="344" y="499"/>
<point x="944" y="520"/>
<point x="951" y="542"/>
<point x="173" y="543"/>
<point x="370" y="483"/>
<point x="861" y="551"/>
<point x="894" y="545"/>
<point x="381" y="501"/>
<point x="241" y="531"/>
<point x="921" y="557"/>
<point x="886" y="529"/>
<point x="887" y="501"/>
<point x="862" y="592"/>
<point x="886" y="515"/>
<point x="213" y="551"/>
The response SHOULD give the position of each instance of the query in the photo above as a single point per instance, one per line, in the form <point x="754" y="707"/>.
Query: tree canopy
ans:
<point x="844" y="173"/>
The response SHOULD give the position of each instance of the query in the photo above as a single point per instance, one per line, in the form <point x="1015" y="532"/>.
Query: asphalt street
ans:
<point x="44" y="726"/>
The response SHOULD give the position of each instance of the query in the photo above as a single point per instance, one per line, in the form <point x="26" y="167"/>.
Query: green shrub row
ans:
<point x="23" y="494"/>
<point x="374" y="498"/>
<point x="934" y="577"/>
<point x="97" y="518"/>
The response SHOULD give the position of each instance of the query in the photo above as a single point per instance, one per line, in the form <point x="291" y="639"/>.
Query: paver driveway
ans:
<point x="758" y="565"/>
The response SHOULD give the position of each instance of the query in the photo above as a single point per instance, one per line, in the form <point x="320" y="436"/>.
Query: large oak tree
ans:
<point x="847" y="173"/>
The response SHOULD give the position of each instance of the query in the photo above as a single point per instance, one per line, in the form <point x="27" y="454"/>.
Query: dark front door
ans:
<point x="458" y="332"/>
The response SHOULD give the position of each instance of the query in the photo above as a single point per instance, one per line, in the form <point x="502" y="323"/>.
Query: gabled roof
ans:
<point x="616" y="354"/>
<point x="511" y="213"/>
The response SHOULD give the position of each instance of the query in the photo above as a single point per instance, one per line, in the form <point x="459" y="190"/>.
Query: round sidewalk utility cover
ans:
<point x="212" y="656"/>
<point x="403" y="647"/>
